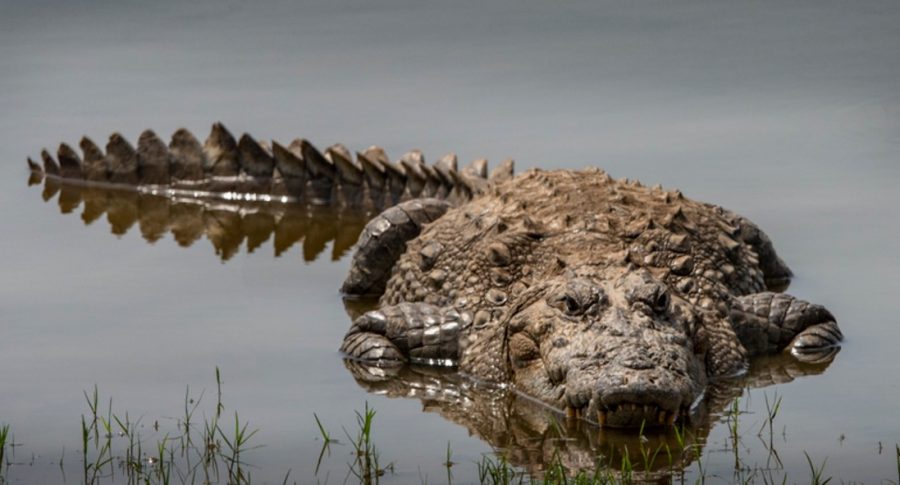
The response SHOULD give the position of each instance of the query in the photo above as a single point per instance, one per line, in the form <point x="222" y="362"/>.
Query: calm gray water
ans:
<point x="786" y="112"/>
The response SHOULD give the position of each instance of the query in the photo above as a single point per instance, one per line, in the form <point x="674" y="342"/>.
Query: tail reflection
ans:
<point x="226" y="224"/>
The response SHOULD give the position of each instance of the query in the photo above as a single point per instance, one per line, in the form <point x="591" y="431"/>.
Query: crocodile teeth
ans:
<point x="601" y="418"/>
<point x="670" y="418"/>
<point x="574" y="413"/>
<point x="662" y="417"/>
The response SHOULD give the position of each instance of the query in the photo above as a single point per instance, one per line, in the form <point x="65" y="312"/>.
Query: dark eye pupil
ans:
<point x="571" y="304"/>
<point x="662" y="301"/>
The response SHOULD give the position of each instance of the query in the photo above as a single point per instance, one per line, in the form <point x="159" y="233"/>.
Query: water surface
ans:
<point x="786" y="113"/>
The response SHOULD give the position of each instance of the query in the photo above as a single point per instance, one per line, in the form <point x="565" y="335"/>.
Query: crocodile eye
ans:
<point x="578" y="299"/>
<point x="651" y="298"/>
<point x="660" y="302"/>
<point x="567" y="304"/>
<point x="578" y="296"/>
<point x="572" y="306"/>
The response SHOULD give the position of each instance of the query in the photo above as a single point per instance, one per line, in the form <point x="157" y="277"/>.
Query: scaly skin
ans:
<point x="611" y="301"/>
<point x="225" y="174"/>
<point x="248" y="169"/>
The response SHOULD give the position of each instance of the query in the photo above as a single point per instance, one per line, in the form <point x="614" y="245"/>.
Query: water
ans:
<point x="786" y="113"/>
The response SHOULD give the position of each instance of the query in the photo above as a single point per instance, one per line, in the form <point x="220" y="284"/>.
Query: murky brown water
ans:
<point x="788" y="114"/>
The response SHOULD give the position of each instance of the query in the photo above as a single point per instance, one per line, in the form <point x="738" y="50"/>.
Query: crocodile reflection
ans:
<point x="530" y="435"/>
<point x="226" y="224"/>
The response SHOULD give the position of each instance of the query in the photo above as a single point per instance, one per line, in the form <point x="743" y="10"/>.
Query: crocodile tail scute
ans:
<point x="228" y="167"/>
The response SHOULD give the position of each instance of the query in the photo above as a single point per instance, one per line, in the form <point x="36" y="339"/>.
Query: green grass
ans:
<point x="207" y="447"/>
<point x="4" y="435"/>
<point x="235" y="445"/>
<point x="208" y="452"/>
<point x="816" y="472"/>
<point x="366" y="466"/>
<point x="498" y="472"/>
<point x="326" y="437"/>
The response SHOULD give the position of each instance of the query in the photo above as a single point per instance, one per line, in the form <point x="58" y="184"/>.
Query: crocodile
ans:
<point x="605" y="300"/>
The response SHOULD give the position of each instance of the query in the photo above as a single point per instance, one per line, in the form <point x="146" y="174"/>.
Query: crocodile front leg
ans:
<point x="414" y="332"/>
<point x="771" y="322"/>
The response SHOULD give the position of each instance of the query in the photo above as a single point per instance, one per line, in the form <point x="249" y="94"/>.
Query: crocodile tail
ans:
<point x="228" y="167"/>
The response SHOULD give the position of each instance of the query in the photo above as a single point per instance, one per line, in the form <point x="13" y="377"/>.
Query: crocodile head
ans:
<point x="610" y="346"/>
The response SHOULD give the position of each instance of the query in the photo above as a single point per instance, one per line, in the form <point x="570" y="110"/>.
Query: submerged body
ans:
<point x="611" y="301"/>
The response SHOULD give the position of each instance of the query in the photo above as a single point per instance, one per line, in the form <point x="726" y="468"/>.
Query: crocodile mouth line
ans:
<point x="628" y="414"/>
<point x="648" y="414"/>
